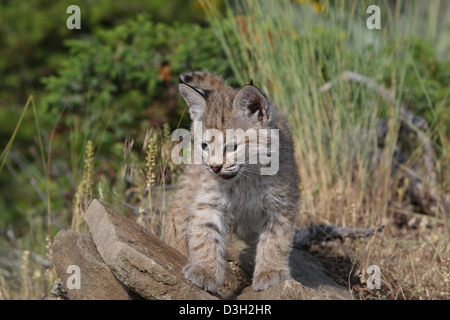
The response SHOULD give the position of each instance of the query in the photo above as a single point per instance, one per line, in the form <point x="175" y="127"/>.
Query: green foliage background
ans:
<point x="116" y="78"/>
<point x="101" y="83"/>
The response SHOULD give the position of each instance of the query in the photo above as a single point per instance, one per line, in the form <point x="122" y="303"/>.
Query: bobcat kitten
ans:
<point x="214" y="194"/>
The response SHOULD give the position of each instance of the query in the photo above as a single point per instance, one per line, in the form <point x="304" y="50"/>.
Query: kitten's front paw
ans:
<point x="199" y="276"/>
<point x="266" y="279"/>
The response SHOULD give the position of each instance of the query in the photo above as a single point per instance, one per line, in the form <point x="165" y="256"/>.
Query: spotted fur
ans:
<point x="263" y="207"/>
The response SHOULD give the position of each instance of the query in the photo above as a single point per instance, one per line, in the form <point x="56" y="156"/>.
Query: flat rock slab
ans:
<point x="292" y="290"/>
<point x="139" y="259"/>
<point x="306" y="270"/>
<point x="309" y="281"/>
<point x="82" y="271"/>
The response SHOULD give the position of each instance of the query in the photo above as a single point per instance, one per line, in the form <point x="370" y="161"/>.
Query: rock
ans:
<point x="58" y="292"/>
<point x="238" y="270"/>
<point x="291" y="290"/>
<point x="311" y="274"/>
<point x="97" y="282"/>
<point x="123" y="260"/>
<point x="309" y="280"/>
<point x="139" y="259"/>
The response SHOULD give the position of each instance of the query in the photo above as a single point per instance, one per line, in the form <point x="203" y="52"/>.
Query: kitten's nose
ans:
<point x="216" y="168"/>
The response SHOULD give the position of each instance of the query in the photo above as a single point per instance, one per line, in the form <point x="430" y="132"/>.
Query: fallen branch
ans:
<point x="407" y="116"/>
<point x="304" y="238"/>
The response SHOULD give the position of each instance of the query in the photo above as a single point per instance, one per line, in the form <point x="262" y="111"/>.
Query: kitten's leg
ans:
<point x="272" y="254"/>
<point x="176" y="230"/>
<point x="177" y="222"/>
<point x="207" y="233"/>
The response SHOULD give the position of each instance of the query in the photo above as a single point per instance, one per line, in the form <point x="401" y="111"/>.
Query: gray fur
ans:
<point x="263" y="207"/>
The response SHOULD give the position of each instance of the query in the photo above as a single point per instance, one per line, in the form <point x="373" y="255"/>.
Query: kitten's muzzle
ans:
<point x="224" y="175"/>
<point x="216" y="169"/>
<point x="227" y="176"/>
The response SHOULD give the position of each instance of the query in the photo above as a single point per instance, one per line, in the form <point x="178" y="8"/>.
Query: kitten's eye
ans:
<point x="230" y="147"/>
<point x="204" y="145"/>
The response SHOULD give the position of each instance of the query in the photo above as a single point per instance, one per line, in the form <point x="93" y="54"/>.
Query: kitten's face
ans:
<point x="235" y="152"/>
<point x="231" y="119"/>
<point x="222" y="170"/>
<point x="223" y="157"/>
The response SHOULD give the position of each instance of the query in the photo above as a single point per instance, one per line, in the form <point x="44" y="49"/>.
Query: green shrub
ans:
<point x="426" y="81"/>
<point x="32" y="34"/>
<point x="109" y="88"/>
<point x="118" y="72"/>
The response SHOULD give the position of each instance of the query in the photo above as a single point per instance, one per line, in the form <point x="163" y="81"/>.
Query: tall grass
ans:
<point x="291" y="52"/>
<point x="36" y="275"/>
<point x="302" y="59"/>
<point x="140" y="191"/>
<point x="298" y="54"/>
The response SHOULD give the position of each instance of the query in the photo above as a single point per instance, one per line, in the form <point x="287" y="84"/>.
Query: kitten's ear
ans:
<point x="254" y="104"/>
<point x="194" y="100"/>
<point x="202" y="79"/>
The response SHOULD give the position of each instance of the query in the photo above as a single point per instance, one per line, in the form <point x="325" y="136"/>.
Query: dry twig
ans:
<point x="304" y="238"/>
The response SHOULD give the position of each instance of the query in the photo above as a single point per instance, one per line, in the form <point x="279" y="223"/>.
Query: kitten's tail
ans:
<point x="203" y="80"/>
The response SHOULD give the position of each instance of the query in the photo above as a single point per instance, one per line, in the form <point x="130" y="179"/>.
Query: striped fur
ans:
<point x="263" y="207"/>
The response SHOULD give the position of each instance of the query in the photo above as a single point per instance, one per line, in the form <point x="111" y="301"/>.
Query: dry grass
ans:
<point x="347" y="176"/>
<point x="344" y="182"/>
